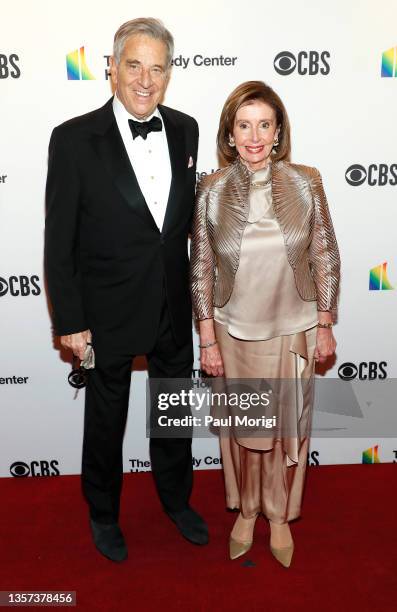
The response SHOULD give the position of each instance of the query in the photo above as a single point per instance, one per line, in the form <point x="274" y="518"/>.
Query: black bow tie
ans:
<point x="142" y="128"/>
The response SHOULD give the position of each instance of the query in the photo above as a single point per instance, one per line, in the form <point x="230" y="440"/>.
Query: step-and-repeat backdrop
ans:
<point x="335" y="66"/>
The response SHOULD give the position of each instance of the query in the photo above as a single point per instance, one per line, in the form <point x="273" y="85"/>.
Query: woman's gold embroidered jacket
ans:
<point x="301" y="209"/>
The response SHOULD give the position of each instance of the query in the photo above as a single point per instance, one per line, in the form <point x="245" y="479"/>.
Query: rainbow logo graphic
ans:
<point x="371" y="455"/>
<point x="378" y="280"/>
<point x="76" y="66"/>
<point x="389" y="63"/>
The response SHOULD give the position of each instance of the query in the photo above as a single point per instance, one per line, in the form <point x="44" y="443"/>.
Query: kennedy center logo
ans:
<point x="389" y="63"/>
<point x="76" y="66"/>
<point x="371" y="455"/>
<point x="378" y="280"/>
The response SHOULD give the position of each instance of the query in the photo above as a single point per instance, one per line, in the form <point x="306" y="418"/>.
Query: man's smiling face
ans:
<point x="141" y="76"/>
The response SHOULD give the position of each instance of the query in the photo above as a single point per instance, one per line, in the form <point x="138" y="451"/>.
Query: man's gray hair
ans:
<point x="143" y="25"/>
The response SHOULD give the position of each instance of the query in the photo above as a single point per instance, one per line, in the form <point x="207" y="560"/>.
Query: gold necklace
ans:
<point x="259" y="184"/>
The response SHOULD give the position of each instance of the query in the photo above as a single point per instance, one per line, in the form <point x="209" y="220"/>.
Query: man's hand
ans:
<point x="77" y="342"/>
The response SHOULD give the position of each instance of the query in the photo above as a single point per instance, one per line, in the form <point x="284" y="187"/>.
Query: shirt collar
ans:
<point x="121" y="112"/>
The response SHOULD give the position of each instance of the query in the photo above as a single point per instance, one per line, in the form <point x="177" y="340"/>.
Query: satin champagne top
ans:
<point x="301" y="210"/>
<point x="264" y="302"/>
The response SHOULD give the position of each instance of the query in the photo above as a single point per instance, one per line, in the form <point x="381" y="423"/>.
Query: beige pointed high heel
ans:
<point x="283" y="555"/>
<point x="237" y="549"/>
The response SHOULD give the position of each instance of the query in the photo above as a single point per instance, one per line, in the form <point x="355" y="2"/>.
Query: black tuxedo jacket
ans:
<point x="107" y="263"/>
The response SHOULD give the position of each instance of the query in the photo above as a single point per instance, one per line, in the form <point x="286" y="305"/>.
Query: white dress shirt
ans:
<point x="150" y="160"/>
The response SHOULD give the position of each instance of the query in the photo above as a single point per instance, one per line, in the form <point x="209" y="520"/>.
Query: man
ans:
<point x="120" y="194"/>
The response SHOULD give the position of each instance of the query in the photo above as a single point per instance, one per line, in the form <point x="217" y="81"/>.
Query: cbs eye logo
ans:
<point x="376" y="174"/>
<point x="20" y="469"/>
<point x="304" y="62"/>
<point x="347" y="371"/>
<point x="20" y="286"/>
<point x="370" y="370"/>
<point x="356" y="175"/>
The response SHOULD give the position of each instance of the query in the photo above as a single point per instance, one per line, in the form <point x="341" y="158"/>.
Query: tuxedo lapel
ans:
<point x="110" y="148"/>
<point x="176" y="148"/>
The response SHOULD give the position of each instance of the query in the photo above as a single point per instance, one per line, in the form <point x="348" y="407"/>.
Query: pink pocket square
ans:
<point x="191" y="162"/>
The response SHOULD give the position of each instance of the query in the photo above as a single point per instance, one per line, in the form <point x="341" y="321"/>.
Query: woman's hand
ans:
<point x="325" y="344"/>
<point x="210" y="358"/>
<point x="211" y="361"/>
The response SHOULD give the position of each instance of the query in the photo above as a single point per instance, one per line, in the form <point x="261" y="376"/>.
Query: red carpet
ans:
<point x="345" y="558"/>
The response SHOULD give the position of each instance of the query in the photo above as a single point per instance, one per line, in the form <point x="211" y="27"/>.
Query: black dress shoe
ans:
<point x="190" y="525"/>
<point x="109" y="540"/>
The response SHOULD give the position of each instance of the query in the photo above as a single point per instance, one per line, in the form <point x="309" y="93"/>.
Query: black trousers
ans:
<point x="106" y="407"/>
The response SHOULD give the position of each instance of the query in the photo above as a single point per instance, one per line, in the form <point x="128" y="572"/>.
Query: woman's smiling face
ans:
<point x="255" y="129"/>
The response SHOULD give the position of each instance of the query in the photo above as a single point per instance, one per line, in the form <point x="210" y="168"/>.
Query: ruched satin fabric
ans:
<point x="264" y="302"/>
<point x="301" y="209"/>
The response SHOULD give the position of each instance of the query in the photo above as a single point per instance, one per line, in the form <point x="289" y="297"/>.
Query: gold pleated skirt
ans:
<point x="267" y="474"/>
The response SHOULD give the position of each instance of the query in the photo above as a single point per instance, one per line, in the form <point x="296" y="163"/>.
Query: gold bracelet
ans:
<point x="325" y="325"/>
<point x="208" y="344"/>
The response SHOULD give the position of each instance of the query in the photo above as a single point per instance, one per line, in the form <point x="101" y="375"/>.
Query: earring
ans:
<point x="275" y="145"/>
<point x="231" y="142"/>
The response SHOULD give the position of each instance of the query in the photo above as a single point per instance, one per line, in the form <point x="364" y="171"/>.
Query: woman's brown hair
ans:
<point x="247" y="93"/>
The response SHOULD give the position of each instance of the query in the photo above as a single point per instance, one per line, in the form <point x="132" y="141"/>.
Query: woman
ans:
<point x="265" y="276"/>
